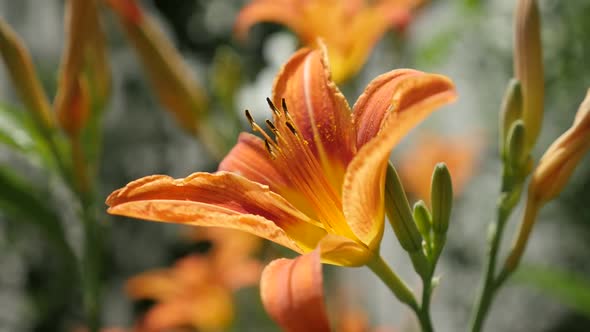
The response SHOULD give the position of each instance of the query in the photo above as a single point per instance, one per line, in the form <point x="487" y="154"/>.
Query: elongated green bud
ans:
<point x="399" y="213"/>
<point x="516" y="153"/>
<point x="423" y="218"/>
<point x="441" y="198"/>
<point x="510" y="112"/>
<point x="528" y="66"/>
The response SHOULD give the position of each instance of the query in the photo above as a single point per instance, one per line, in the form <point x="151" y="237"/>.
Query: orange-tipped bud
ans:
<point x="167" y="72"/>
<point x="562" y="157"/>
<point x="84" y="80"/>
<point x="26" y="83"/>
<point x="528" y="66"/>
<point x="551" y="175"/>
<point x="73" y="117"/>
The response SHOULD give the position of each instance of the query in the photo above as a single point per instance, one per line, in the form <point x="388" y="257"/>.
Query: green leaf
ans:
<point x="19" y="133"/>
<point x="570" y="288"/>
<point x="23" y="202"/>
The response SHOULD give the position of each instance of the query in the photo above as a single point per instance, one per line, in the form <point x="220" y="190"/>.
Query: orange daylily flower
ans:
<point x="321" y="179"/>
<point x="292" y="294"/>
<point x="232" y="255"/>
<point x="416" y="165"/>
<point x="197" y="290"/>
<point x="350" y="28"/>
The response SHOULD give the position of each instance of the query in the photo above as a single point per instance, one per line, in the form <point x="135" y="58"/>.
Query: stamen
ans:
<point x="273" y="107"/>
<point x="269" y="149"/>
<point x="272" y="127"/>
<point x="257" y="128"/>
<point x="250" y="118"/>
<point x="287" y="114"/>
<point x="291" y="128"/>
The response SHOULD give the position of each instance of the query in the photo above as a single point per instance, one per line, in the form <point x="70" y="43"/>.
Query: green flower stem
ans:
<point x="402" y="292"/>
<point x="397" y="286"/>
<point x="424" y="312"/>
<point x="490" y="284"/>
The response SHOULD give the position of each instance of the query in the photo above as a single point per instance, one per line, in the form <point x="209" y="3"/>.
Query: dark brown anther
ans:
<point x="291" y="127"/>
<point x="271" y="126"/>
<point x="273" y="107"/>
<point x="249" y="117"/>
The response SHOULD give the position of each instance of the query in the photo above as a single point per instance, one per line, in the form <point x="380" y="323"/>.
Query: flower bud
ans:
<point x="84" y="75"/>
<point x="399" y="213"/>
<point x="510" y="111"/>
<point x="422" y="218"/>
<point x="169" y="75"/>
<point x="516" y="154"/>
<point x="26" y="83"/>
<point x="551" y="175"/>
<point x="441" y="198"/>
<point x="561" y="158"/>
<point x="528" y="66"/>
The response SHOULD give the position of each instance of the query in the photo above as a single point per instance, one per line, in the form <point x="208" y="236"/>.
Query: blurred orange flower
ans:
<point x="416" y="165"/>
<point x="322" y="176"/>
<point x="350" y="28"/>
<point x="197" y="291"/>
<point x="292" y="294"/>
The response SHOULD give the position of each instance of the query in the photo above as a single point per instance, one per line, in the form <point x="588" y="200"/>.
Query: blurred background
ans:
<point x="468" y="40"/>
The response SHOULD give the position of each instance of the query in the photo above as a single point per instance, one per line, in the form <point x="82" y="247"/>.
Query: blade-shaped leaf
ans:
<point x="569" y="288"/>
<point x="21" y="201"/>
<point x="19" y="133"/>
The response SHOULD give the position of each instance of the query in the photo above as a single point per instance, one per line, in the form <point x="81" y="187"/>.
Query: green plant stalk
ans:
<point x="90" y="265"/>
<point x="489" y="285"/>
<point x="424" y="310"/>
<point x="510" y="194"/>
<point x="402" y="292"/>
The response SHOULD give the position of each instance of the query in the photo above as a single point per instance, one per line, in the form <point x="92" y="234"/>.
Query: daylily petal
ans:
<point x="157" y="284"/>
<point x="223" y="200"/>
<point x="413" y="98"/>
<point x="292" y="293"/>
<point x="319" y="110"/>
<point x="372" y="106"/>
<point x="209" y="309"/>
<point x="277" y="11"/>
<point x="250" y="159"/>
<point x="342" y="251"/>
<point x="370" y="23"/>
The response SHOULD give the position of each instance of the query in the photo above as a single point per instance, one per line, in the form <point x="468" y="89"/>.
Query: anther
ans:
<point x="287" y="114"/>
<point x="249" y="117"/>
<point x="291" y="127"/>
<point x="273" y="107"/>
<point x="272" y="127"/>
<point x="269" y="149"/>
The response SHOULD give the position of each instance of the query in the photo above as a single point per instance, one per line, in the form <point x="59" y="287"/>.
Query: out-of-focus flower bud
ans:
<point x="169" y="75"/>
<point x="20" y="68"/>
<point x="562" y="157"/>
<point x="510" y="112"/>
<point x="441" y="199"/>
<point x="551" y="175"/>
<point x="528" y="66"/>
<point x="516" y="154"/>
<point x="400" y="214"/>
<point x="74" y="116"/>
<point x="84" y="82"/>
